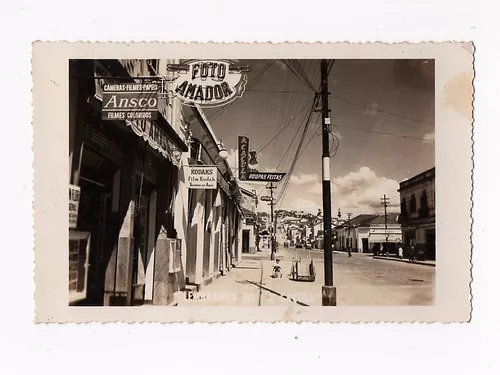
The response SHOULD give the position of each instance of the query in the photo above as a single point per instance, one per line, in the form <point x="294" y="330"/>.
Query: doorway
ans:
<point x="365" y="245"/>
<point x="246" y="241"/>
<point x="93" y="215"/>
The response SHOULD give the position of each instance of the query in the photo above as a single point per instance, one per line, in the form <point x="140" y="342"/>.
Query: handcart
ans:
<point x="303" y="270"/>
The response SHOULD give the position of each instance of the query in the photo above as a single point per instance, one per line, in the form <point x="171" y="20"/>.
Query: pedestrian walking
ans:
<point x="400" y="251"/>
<point x="412" y="253"/>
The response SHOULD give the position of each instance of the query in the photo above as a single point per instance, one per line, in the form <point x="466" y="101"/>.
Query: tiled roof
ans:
<point x="392" y="218"/>
<point x="362" y="220"/>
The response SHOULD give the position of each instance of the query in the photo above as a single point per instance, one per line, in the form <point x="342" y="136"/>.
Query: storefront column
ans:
<point x="150" y="256"/>
<point x="118" y="279"/>
<point x="196" y="237"/>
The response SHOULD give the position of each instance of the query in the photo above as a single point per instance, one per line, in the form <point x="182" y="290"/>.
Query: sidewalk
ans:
<point x="247" y="284"/>
<point x="431" y="263"/>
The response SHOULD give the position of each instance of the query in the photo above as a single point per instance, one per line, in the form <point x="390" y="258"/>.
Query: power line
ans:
<point x="290" y="145"/>
<point x="297" y="73"/>
<point x="286" y="126"/>
<point x="381" y="111"/>
<point x="256" y="80"/>
<point x="292" y="167"/>
<point x="387" y="134"/>
<point x="302" y="73"/>
<point x="364" y="106"/>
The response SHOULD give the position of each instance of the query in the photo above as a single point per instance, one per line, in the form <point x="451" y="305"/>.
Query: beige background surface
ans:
<point x="454" y="74"/>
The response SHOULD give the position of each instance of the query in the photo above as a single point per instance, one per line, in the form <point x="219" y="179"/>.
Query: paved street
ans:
<point x="360" y="281"/>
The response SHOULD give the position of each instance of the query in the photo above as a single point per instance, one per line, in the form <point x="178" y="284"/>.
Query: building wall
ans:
<point x="429" y="187"/>
<point x="419" y="227"/>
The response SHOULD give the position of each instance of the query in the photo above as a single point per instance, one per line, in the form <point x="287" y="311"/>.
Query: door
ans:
<point x="246" y="241"/>
<point x="430" y="243"/>
<point x="365" y="245"/>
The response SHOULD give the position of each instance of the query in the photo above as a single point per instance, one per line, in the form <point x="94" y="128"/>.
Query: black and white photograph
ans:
<point x="213" y="182"/>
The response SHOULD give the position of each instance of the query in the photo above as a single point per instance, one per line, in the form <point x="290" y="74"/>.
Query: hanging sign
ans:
<point x="130" y="101"/>
<point x="267" y="198"/>
<point x="74" y="202"/>
<point x="201" y="177"/>
<point x="247" y="167"/>
<point x="209" y="83"/>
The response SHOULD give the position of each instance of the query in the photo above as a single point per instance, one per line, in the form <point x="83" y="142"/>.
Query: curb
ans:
<point x="404" y="261"/>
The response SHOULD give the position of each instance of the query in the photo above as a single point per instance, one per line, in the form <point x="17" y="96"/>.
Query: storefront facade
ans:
<point x="127" y="174"/>
<point x="418" y="212"/>
<point x="214" y="216"/>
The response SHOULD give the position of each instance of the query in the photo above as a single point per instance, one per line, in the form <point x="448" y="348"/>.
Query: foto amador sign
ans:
<point x="209" y="83"/>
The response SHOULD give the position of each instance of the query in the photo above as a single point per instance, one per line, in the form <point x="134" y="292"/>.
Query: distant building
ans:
<point x="418" y="215"/>
<point x="378" y="235"/>
<point x="250" y="228"/>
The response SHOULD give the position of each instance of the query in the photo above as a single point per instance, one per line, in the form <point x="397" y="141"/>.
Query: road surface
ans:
<point x="360" y="281"/>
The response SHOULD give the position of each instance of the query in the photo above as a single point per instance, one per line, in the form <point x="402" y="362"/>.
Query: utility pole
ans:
<point x="349" y="242"/>
<point x="273" y="222"/>
<point x="328" y="292"/>
<point x="385" y="201"/>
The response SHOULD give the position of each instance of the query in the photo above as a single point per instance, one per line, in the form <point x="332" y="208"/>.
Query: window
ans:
<point x="403" y="206"/>
<point x="423" y="200"/>
<point x="424" y="208"/>
<point x="413" y="204"/>
<point x="152" y="67"/>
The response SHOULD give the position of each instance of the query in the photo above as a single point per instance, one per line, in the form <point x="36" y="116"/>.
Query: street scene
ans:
<point x="361" y="280"/>
<point x="215" y="182"/>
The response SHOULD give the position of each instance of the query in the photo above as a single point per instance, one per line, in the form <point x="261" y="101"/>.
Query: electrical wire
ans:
<point x="302" y="73"/>
<point x="255" y="81"/>
<point x="287" y="125"/>
<point x="288" y="176"/>
<point x="298" y="74"/>
<point x="364" y="106"/>
<point x="387" y="134"/>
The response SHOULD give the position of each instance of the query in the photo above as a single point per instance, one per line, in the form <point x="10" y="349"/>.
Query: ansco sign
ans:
<point x="209" y="83"/>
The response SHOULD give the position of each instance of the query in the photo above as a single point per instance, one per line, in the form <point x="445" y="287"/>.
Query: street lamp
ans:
<point x="222" y="151"/>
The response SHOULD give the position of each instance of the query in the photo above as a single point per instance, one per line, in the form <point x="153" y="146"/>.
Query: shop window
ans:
<point x="79" y="245"/>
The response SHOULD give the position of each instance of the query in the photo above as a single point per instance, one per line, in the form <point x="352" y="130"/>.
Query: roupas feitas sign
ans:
<point x="209" y="83"/>
<point x="201" y="177"/>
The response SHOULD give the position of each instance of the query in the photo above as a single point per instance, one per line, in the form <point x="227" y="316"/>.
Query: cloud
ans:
<point x="360" y="192"/>
<point x="300" y="204"/>
<point x="429" y="136"/>
<point x="303" y="179"/>
<point x="232" y="159"/>
<point x="315" y="188"/>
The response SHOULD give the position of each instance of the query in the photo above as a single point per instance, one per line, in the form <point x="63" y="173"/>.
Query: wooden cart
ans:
<point x="303" y="270"/>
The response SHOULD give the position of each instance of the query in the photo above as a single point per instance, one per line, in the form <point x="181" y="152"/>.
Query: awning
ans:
<point x="380" y="237"/>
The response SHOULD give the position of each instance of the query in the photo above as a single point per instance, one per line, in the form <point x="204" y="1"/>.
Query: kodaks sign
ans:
<point x="209" y="83"/>
<point x="201" y="177"/>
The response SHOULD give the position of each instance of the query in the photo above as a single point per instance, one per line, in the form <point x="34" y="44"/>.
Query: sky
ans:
<point x="382" y="114"/>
